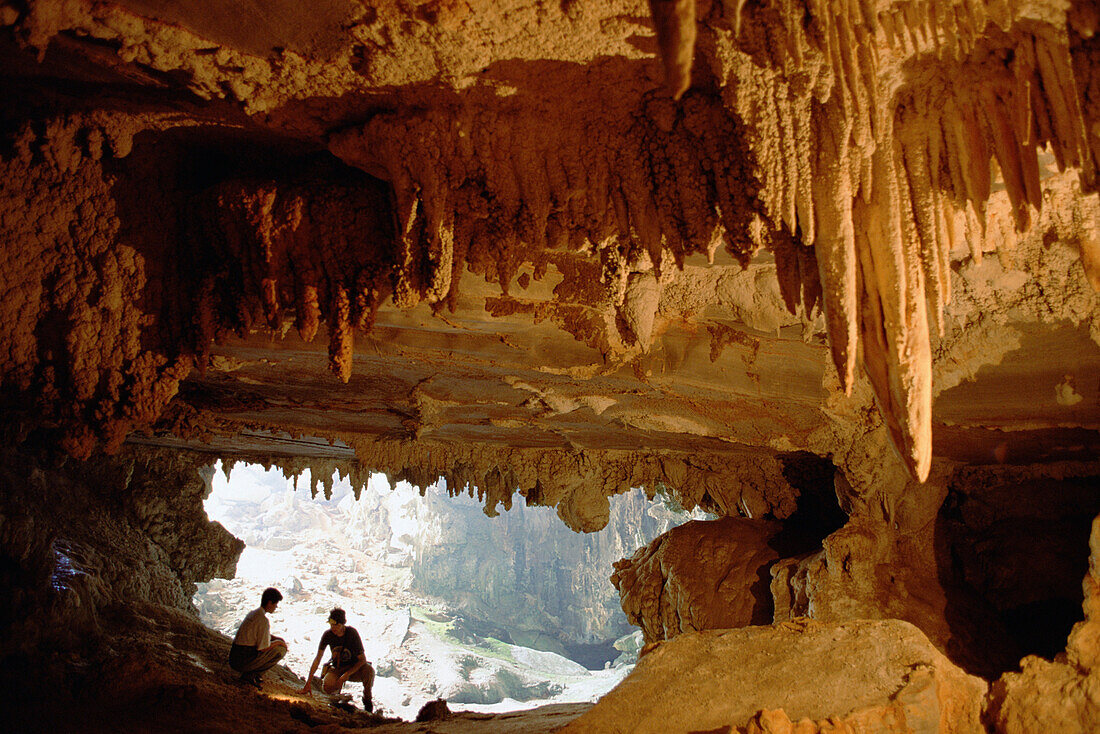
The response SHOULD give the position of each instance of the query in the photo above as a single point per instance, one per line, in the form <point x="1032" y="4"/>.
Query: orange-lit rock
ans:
<point x="702" y="575"/>
<point x="567" y="249"/>
<point x="882" y="676"/>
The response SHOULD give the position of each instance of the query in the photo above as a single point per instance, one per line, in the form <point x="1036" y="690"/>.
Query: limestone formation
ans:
<point x="882" y="676"/>
<point x="849" y="149"/>
<point x="760" y="257"/>
<point x="668" y="587"/>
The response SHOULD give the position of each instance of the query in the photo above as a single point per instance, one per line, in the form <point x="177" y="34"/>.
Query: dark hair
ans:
<point x="270" y="594"/>
<point x="337" y="615"/>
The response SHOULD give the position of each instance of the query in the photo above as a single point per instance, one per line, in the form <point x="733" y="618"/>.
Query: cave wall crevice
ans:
<point x="986" y="561"/>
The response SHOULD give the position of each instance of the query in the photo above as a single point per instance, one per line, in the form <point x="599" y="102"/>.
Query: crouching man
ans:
<point x="254" y="649"/>
<point x="348" y="662"/>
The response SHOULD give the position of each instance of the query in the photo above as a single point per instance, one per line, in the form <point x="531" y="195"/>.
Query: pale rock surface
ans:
<point x="878" y="675"/>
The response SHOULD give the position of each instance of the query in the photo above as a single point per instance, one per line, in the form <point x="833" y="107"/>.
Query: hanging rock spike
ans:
<point x="675" y="22"/>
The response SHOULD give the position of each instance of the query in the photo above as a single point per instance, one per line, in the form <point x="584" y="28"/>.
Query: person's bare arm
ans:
<point x="308" y="687"/>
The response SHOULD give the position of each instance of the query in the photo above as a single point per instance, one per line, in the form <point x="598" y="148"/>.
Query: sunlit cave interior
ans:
<point x="648" y="366"/>
<point x="489" y="614"/>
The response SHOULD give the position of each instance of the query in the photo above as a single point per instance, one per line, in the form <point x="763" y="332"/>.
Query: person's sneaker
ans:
<point x="368" y="706"/>
<point x="251" y="679"/>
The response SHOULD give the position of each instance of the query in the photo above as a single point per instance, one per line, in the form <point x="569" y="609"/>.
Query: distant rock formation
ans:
<point x="529" y="574"/>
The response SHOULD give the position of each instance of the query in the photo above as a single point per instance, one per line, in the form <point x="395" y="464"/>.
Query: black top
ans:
<point x="345" y="650"/>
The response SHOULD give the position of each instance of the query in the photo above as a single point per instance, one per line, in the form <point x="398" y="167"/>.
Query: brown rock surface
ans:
<point x="875" y="674"/>
<point x="702" y="575"/>
<point x="89" y="537"/>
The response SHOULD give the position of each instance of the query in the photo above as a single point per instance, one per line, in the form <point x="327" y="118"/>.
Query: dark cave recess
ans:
<point x="1020" y="548"/>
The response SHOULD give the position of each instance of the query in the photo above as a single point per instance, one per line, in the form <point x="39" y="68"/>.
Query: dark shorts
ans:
<point x="247" y="659"/>
<point x="364" y="675"/>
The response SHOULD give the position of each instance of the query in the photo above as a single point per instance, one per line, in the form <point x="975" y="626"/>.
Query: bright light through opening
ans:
<point x="371" y="556"/>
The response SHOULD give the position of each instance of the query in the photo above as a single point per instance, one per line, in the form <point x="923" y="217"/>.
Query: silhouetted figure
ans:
<point x="254" y="648"/>
<point x="348" y="661"/>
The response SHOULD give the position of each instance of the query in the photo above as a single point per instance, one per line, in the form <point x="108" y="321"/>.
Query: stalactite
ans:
<point x="925" y="213"/>
<point x="308" y="310"/>
<point x="341" y="336"/>
<point x="655" y="177"/>
<point x="323" y="253"/>
<point x="675" y="22"/>
<point x="1007" y="151"/>
<point x="897" y="165"/>
<point x="836" y="247"/>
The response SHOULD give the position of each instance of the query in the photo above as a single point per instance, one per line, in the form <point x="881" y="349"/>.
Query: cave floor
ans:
<point x="153" y="669"/>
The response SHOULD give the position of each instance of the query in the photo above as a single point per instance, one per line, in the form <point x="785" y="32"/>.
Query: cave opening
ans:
<point x="493" y="614"/>
<point x="818" y="513"/>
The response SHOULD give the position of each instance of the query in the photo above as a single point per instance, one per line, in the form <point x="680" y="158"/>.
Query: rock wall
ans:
<point x="77" y="538"/>
<point x="880" y="564"/>
<point x="81" y="352"/>
<point x="1059" y="694"/>
<point x="984" y="560"/>
<point x="1018" y="540"/>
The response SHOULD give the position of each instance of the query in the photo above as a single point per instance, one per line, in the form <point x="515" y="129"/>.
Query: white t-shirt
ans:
<point x="255" y="630"/>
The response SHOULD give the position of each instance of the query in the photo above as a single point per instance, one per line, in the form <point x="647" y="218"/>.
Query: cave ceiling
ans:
<point x="554" y="245"/>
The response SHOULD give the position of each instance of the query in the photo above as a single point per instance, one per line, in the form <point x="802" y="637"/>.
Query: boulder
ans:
<point x="704" y="574"/>
<point x="883" y="673"/>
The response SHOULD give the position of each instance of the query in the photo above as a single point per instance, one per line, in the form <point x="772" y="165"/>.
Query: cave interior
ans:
<point x="828" y="271"/>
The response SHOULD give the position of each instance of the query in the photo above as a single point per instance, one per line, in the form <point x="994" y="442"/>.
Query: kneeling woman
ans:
<point x="348" y="661"/>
